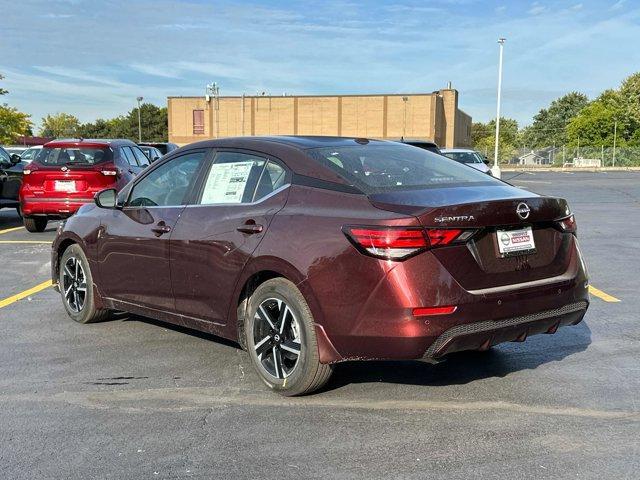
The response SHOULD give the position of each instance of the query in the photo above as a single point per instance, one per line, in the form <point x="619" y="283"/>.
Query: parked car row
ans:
<point x="54" y="180"/>
<point x="310" y="251"/>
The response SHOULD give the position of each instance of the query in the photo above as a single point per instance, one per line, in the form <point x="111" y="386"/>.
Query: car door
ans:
<point x="219" y="231"/>
<point x="133" y="245"/>
<point x="10" y="178"/>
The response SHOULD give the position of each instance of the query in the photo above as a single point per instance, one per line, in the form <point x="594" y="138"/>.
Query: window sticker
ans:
<point x="226" y="182"/>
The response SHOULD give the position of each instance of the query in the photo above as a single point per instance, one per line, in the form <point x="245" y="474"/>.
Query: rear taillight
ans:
<point x="30" y="168"/>
<point x="108" y="169"/>
<point x="568" y="224"/>
<point x="399" y="243"/>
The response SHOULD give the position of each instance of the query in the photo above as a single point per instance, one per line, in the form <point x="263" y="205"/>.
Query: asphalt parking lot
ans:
<point x="133" y="398"/>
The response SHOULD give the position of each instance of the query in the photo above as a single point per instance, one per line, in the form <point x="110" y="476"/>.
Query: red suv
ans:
<point x="67" y="173"/>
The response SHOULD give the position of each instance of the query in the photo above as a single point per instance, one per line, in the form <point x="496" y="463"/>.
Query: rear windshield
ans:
<point x="55" y="156"/>
<point x="394" y="166"/>
<point x="464" y="157"/>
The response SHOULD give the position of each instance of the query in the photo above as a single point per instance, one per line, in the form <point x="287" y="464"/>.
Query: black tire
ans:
<point x="305" y="372"/>
<point x="35" y="224"/>
<point x="72" y="278"/>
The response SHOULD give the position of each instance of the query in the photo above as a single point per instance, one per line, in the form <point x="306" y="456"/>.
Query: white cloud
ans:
<point x="536" y="9"/>
<point x="618" y="5"/>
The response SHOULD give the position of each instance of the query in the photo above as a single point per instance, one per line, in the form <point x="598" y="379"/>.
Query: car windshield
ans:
<point x="387" y="167"/>
<point x="464" y="157"/>
<point x="52" y="156"/>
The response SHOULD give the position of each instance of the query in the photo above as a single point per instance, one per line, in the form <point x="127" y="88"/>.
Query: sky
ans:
<point x="93" y="58"/>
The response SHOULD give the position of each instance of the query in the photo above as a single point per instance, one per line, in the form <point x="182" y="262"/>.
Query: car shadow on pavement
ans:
<point x="456" y="369"/>
<point x="465" y="367"/>
<point x="126" y="317"/>
<point x="9" y="219"/>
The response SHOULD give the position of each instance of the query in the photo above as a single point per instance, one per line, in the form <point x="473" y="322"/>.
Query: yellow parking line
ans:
<point x="7" y="230"/>
<point x="602" y="295"/>
<point x="25" y="294"/>
<point x="26" y="241"/>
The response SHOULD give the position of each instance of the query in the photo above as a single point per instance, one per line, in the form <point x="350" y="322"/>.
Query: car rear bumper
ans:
<point x="58" y="207"/>
<point x="382" y="324"/>
<point x="482" y="335"/>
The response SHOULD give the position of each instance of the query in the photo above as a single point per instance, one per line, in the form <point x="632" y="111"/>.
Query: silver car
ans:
<point x="468" y="157"/>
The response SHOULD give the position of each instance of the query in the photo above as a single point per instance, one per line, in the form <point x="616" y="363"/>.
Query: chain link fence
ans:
<point x="583" y="156"/>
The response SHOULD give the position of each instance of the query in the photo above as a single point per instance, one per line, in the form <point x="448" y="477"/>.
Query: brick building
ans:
<point x="429" y="116"/>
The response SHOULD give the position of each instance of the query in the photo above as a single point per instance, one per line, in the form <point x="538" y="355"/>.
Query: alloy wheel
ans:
<point x="276" y="337"/>
<point x="74" y="284"/>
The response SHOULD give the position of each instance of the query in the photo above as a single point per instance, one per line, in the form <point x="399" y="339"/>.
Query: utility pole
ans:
<point x="139" y="99"/>
<point x="495" y="171"/>
<point x="615" y="135"/>
<point x="214" y="90"/>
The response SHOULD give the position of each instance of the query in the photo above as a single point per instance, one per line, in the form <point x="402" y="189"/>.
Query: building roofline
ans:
<point x="313" y="96"/>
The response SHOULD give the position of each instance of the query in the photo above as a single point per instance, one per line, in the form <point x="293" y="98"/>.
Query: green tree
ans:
<point x="2" y="90"/>
<point x="550" y="124"/>
<point x="152" y="118"/>
<point x="611" y="114"/>
<point x="13" y="124"/>
<point x="485" y="138"/>
<point x="59" y="125"/>
<point x="480" y="131"/>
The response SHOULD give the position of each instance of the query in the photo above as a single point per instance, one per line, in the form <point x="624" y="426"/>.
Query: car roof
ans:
<point x="302" y="142"/>
<point x="415" y="141"/>
<point x="88" y="142"/>
<point x="457" y="150"/>
<point x="289" y="149"/>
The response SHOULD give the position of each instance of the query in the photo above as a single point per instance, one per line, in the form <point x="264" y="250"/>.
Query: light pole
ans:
<point x="139" y="99"/>
<point x="495" y="171"/>
<point x="214" y="90"/>
<point x="615" y="137"/>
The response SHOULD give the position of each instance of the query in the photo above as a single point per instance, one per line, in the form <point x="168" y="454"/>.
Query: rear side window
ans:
<point x="169" y="184"/>
<point x="394" y="166"/>
<point x="237" y="177"/>
<point x="55" y="156"/>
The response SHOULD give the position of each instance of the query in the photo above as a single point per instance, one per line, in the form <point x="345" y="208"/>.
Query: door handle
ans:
<point x="161" y="228"/>
<point x="250" y="227"/>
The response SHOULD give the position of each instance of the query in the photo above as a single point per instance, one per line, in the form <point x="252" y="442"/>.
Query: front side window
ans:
<point x="169" y="184"/>
<point x="237" y="177"/>
<point x="142" y="159"/>
<point x="129" y="156"/>
<point x="393" y="166"/>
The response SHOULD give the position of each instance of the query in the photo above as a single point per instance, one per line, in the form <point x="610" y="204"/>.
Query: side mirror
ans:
<point x="15" y="159"/>
<point x="106" y="198"/>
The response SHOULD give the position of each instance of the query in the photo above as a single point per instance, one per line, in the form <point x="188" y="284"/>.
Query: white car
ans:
<point x="30" y="153"/>
<point x="468" y="157"/>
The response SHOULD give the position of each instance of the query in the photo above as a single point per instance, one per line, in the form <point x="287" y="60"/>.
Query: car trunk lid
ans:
<point x="489" y="211"/>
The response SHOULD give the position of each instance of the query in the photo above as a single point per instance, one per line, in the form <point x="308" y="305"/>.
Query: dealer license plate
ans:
<point x="515" y="242"/>
<point x="65" y="186"/>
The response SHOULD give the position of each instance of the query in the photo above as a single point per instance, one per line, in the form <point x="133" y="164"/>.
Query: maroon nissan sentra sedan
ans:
<point x="314" y="250"/>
